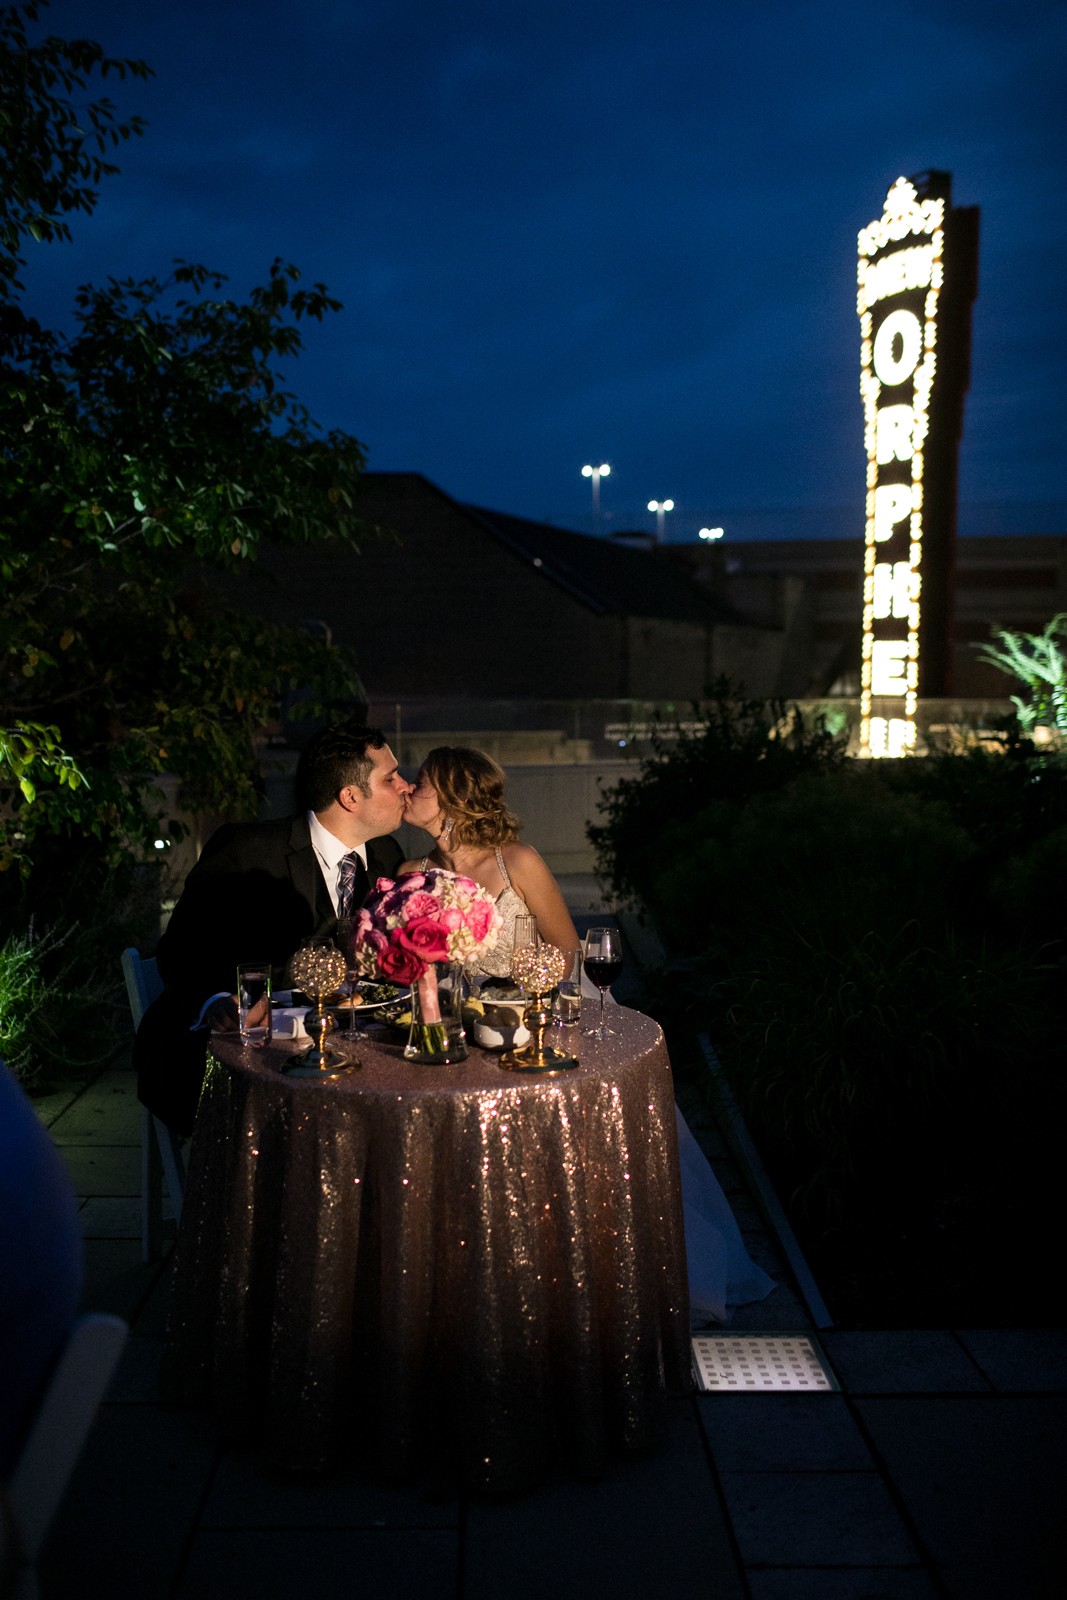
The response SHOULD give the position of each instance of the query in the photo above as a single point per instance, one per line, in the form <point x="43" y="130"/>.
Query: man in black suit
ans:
<point x="259" y="891"/>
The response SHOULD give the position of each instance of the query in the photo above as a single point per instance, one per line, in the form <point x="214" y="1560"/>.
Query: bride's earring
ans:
<point x="446" y="833"/>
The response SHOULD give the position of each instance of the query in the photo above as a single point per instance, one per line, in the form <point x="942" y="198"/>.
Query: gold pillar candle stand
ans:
<point x="539" y="968"/>
<point x="318" y="971"/>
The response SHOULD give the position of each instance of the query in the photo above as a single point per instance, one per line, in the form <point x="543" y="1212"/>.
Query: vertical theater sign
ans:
<point x="918" y="277"/>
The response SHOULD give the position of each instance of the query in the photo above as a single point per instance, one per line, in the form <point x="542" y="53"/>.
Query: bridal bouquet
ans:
<point x="408" y="925"/>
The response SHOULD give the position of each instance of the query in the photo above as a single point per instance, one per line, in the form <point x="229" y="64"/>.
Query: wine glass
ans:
<point x="603" y="962"/>
<point x="525" y="934"/>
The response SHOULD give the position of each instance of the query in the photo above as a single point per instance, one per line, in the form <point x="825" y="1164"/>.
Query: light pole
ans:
<point x="596" y="473"/>
<point x="660" y="507"/>
<point x="711" y="533"/>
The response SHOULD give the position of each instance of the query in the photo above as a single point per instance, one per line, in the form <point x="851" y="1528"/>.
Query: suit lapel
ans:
<point x="305" y="874"/>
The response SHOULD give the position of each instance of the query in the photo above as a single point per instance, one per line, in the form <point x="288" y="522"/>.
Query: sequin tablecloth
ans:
<point x="409" y="1265"/>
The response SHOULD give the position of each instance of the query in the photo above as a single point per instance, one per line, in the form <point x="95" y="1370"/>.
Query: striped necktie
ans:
<point x="351" y="867"/>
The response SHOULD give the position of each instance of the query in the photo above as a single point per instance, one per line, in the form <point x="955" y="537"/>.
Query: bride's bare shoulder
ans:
<point x="522" y="859"/>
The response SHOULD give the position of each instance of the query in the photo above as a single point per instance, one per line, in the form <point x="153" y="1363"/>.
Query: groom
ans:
<point x="258" y="892"/>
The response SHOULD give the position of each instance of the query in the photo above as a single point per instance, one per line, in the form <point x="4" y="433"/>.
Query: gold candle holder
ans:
<point x="538" y="968"/>
<point x="318" y="971"/>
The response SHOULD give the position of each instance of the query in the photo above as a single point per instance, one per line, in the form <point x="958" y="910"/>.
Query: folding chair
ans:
<point x="161" y="1151"/>
<point x="57" y="1435"/>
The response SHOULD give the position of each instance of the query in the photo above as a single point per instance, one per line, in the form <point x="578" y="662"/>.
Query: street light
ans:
<point x="711" y="533"/>
<point x="596" y="473"/>
<point x="660" y="507"/>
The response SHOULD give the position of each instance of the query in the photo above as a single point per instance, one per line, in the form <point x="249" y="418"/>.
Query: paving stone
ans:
<point x="114" y="1217"/>
<point x="107" y="1113"/>
<point x="97" y="1169"/>
<point x="116" y="1279"/>
<point x="333" y="1564"/>
<point x="129" y="1507"/>
<point x="783" y="1433"/>
<point x="50" y="1107"/>
<point x="829" y="1583"/>
<point x="136" y="1380"/>
<point x="248" y="1493"/>
<point x="925" y="1361"/>
<point x="781" y="1312"/>
<point x="151" y="1320"/>
<point x="1021" y="1360"/>
<point x="816" y="1519"/>
<point x="651" y="1527"/>
<point x="984" y="1481"/>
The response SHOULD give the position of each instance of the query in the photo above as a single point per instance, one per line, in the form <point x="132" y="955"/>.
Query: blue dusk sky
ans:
<point x="582" y="232"/>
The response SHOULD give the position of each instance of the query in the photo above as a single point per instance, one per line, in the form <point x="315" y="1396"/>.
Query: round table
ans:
<point x="408" y="1265"/>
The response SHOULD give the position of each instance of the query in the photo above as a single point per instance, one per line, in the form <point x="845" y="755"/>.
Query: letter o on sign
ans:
<point x="889" y="367"/>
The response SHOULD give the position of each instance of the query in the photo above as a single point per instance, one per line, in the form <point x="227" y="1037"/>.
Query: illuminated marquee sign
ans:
<point x="917" y="279"/>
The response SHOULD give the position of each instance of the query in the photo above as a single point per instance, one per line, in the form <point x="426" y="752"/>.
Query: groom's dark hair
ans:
<point x="334" y="759"/>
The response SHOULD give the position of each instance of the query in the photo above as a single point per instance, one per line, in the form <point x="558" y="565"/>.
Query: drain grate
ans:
<point x="750" y="1362"/>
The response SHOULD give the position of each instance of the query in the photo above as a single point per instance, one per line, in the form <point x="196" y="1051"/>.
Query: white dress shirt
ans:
<point x="330" y="852"/>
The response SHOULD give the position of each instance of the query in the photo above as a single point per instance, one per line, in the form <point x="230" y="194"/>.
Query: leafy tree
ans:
<point x="155" y="444"/>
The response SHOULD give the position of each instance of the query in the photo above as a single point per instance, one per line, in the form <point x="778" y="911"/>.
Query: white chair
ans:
<point x="57" y="1435"/>
<point x="161" y="1151"/>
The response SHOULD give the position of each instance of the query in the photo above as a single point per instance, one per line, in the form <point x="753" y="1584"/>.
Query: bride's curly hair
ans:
<point x="470" y="788"/>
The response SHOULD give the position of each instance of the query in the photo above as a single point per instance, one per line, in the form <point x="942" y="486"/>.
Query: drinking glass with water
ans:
<point x="569" y="994"/>
<point x="253" y="1002"/>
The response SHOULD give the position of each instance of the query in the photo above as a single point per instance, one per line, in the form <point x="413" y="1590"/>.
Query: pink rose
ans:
<point x="364" y="920"/>
<point x="402" y="966"/>
<point x="375" y="940"/>
<point x="383" y="885"/>
<point x="412" y="880"/>
<point x="468" y="885"/>
<point x="420" y="904"/>
<point x="451" y="919"/>
<point x="479" y="918"/>
<point x="425" y="938"/>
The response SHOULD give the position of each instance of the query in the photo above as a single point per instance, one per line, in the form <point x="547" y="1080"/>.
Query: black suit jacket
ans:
<point x="256" y="894"/>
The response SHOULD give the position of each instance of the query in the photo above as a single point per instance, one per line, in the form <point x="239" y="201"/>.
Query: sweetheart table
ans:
<point x="410" y="1266"/>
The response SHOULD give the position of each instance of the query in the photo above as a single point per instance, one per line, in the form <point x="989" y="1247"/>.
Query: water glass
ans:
<point x="569" y="994"/>
<point x="253" y="1002"/>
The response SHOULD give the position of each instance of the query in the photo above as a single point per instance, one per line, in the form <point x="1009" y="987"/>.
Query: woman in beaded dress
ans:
<point x="459" y="801"/>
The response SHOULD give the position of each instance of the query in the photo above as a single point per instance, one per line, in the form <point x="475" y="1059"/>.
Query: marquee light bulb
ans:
<point x="890" y="368"/>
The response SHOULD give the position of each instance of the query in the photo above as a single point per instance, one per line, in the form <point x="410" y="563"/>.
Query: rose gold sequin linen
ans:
<point x="435" y="1266"/>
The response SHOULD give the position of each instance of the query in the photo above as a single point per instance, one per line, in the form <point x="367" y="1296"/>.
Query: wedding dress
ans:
<point x="720" y="1271"/>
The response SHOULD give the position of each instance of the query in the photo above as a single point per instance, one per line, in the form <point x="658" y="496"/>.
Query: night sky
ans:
<point x="625" y="233"/>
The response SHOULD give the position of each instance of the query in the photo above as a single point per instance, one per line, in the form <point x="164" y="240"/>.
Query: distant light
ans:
<point x="711" y="533"/>
<point x="622" y="744"/>
<point x="161" y="844"/>
<point x="653" y="505"/>
<point x="605" y="470"/>
<point x="668" y="505"/>
<point x="537" y="561"/>
<point x="587" y="472"/>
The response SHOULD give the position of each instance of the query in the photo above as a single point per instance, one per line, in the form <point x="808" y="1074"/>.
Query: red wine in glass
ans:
<point x="603" y="962"/>
<point x="603" y="973"/>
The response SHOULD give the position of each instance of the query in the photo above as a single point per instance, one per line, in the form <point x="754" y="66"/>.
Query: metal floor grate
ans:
<point x="755" y="1361"/>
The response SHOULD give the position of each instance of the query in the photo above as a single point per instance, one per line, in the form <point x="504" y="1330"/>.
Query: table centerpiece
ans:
<point x="405" y="928"/>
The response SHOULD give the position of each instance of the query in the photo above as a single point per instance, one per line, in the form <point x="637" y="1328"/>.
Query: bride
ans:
<point x="458" y="800"/>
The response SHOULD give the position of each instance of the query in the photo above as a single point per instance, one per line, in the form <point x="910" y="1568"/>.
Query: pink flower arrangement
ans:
<point x="419" y="919"/>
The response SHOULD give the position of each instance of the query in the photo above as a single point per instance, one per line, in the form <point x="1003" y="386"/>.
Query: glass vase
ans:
<point x="435" y="1038"/>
